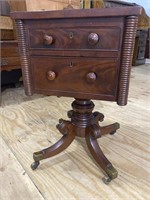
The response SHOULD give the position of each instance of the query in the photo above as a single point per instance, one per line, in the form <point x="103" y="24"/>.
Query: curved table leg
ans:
<point x="55" y="149"/>
<point x="99" y="156"/>
<point x="109" y="129"/>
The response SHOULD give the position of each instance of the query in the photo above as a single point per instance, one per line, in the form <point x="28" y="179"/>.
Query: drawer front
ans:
<point x="9" y="52"/>
<point x="9" y="48"/>
<point x="106" y="38"/>
<point x="76" y="77"/>
<point x="10" y="61"/>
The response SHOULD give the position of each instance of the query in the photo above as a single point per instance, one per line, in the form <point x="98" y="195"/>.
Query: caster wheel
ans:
<point x="61" y="121"/>
<point x="106" y="180"/>
<point x="112" y="133"/>
<point x="35" y="165"/>
<point x="117" y="126"/>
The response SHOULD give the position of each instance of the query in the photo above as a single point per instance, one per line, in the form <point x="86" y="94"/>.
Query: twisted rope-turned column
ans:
<point x="126" y="61"/>
<point x="25" y="59"/>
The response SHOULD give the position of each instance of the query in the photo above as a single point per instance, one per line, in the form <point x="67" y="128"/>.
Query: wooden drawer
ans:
<point x="9" y="48"/>
<point x="10" y="61"/>
<point x="106" y="38"/>
<point x="70" y="76"/>
<point x="10" y="58"/>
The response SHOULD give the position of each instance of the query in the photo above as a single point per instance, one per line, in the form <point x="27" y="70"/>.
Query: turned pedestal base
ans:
<point x="83" y="123"/>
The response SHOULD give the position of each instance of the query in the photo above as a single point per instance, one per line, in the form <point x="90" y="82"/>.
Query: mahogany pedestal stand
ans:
<point x="83" y="123"/>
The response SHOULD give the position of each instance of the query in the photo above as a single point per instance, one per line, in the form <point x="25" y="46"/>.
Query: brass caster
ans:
<point x="37" y="156"/>
<point x="35" y="165"/>
<point x="106" y="179"/>
<point x="61" y="121"/>
<point x="112" y="133"/>
<point x="117" y="126"/>
<point x="111" y="172"/>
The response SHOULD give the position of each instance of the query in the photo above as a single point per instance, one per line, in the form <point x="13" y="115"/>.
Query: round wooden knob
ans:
<point x="93" y="38"/>
<point x="48" y="39"/>
<point x="91" y="77"/>
<point x="51" y="75"/>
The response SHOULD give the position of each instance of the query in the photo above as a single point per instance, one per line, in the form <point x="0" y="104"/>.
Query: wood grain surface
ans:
<point x="28" y="124"/>
<point x="15" y="182"/>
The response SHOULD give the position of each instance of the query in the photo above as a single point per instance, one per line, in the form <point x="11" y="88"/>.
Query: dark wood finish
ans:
<point x="85" y="54"/>
<point x="78" y="13"/>
<point x="70" y="38"/>
<point x="25" y="57"/>
<point x="127" y="52"/>
<point x="10" y="58"/>
<point x="83" y="123"/>
<point x="7" y="35"/>
<point x="77" y="69"/>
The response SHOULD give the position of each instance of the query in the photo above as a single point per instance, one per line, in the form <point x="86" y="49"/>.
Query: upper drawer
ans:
<point x="99" y="38"/>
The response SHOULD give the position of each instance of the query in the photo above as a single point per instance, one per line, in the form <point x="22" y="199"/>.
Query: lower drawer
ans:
<point x="75" y="77"/>
<point x="9" y="48"/>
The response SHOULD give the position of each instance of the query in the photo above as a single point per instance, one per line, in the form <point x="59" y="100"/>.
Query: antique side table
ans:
<point x="85" y="54"/>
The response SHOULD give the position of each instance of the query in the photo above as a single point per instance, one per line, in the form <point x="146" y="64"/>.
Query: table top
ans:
<point x="79" y="13"/>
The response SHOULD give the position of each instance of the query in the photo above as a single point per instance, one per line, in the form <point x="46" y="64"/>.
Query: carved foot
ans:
<point x="98" y="116"/>
<point x="62" y="126"/>
<point x="110" y="129"/>
<point x="99" y="156"/>
<point x="111" y="174"/>
<point x="58" y="147"/>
